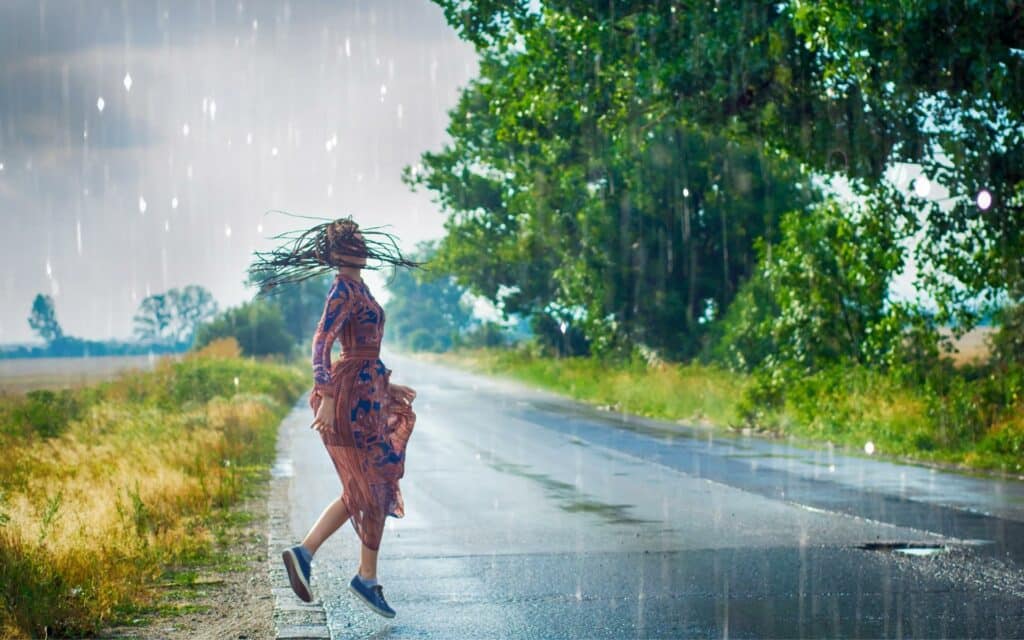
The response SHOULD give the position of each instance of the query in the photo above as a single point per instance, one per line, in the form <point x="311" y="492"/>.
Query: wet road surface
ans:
<point x="531" y="516"/>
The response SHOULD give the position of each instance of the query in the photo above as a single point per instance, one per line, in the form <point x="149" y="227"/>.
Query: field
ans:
<point x="118" y="491"/>
<point x="18" y="375"/>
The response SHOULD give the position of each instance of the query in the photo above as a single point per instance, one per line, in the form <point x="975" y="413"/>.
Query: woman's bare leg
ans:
<point x="333" y="516"/>
<point x="368" y="563"/>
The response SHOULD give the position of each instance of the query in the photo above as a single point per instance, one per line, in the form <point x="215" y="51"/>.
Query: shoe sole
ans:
<point x="295" y="577"/>
<point x="370" y="604"/>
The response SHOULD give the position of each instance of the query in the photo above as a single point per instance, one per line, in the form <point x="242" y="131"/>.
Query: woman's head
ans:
<point x="345" y="244"/>
<point x="324" y="247"/>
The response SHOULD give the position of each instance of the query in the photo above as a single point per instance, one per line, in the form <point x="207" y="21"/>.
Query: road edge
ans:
<point x="293" y="619"/>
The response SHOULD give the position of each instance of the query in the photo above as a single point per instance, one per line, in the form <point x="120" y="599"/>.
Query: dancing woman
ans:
<point x="363" y="419"/>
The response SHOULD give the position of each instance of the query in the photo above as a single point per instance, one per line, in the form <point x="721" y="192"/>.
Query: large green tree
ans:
<point x="569" y="198"/>
<point x="842" y="86"/>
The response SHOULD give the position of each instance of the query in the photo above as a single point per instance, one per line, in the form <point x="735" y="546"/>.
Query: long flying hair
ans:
<point x="322" y="248"/>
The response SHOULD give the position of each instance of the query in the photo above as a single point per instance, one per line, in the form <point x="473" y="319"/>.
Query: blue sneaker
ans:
<point x="296" y="561"/>
<point x="372" y="596"/>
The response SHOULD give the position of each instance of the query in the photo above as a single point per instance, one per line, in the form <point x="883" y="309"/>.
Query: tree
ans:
<point x="300" y="304"/>
<point x="822" y="296"/>
<point x="43" y="319"/>
<point x="258" y="326"/>
<point x="153" y="319"/>
<point x="173" y="317"/>
<point x="191" y="306"/>
<point x="571" y="195"/>
<point x="842" y="86"/>
<point x="426" y="310"/>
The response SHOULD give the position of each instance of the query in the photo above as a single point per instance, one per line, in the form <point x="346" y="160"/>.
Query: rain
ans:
<point x="707" y="320"/>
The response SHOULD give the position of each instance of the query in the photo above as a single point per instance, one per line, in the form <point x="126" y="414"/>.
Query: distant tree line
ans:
<point x="164" y="323"/>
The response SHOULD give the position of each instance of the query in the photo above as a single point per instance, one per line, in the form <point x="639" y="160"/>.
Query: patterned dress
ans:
<point x="373" y="418"/>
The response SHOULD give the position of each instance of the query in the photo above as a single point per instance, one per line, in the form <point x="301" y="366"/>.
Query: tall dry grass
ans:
<point x="129" y="486"/>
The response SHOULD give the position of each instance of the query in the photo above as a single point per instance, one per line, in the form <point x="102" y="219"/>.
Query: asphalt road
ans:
<point x="530" y="516"/>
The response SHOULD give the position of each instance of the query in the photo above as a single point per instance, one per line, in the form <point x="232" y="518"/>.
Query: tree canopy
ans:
<point x="622" y="167"/>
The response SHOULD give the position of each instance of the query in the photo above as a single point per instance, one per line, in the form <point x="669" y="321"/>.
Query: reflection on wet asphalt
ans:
<point x="533" y="517"/>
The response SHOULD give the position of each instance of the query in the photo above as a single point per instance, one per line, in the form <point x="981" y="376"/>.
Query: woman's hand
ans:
<point x="324" y="419"/>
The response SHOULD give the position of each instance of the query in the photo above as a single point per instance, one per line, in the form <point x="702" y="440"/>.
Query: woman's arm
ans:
<point x="333" y="317"/>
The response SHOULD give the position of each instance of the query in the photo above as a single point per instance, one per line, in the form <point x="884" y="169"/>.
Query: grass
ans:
<point x="961" y="427"/>
<point x="110" y="490"/>
<point x="669" y="391"/>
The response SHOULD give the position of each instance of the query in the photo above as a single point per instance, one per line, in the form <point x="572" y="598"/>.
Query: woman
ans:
<point x="363" y="419"/>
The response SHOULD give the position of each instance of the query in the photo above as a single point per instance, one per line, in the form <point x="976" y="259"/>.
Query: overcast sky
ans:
<point x="142" y="142"/>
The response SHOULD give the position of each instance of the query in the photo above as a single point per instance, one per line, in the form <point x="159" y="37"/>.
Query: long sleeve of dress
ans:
<point x="331" y="321"/>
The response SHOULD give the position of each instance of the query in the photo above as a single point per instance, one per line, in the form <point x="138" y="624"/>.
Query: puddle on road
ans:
<point x="906" y="548"/>
<point x="569" y="498"/>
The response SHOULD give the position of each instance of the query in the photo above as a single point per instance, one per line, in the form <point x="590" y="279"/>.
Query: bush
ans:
<point x="422" y="340"/>
<point x="257" y="326"/>
<point x="487" y="334"/>
<point x="43" y="412"/>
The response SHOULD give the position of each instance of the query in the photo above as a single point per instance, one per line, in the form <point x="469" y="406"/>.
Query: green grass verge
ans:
<point x="848" y="407"/>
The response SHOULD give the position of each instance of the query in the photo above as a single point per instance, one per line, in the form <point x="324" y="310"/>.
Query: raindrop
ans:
<point x="142" y="205"/>
<point x="922" y="187"/>
<point x="383" y="92"/>
<point x="259" y="228"/>
<point x="330" y="190"/>
<point x="686" y="192"/>
<point x="188" y="171"/>
<point x="78" y="235"/>
<point x="167" y="225"/>
<point x="127" y="82"/>
<point x="174" y="202"/>
<point x="984" y="199"/>
<point x="831" y="468"/>
<point x="348" y="48"/>
<point x="399" y="112"/>
<point x="255" y="25"/>
<point x="185" y="129"/>
<point x="100" y="103"/>
<point x="1" y="166"/>
<point x="273" y="151"/>
<point x="227" y="230"/>
<point x="869" y="447"/>
<point x="49" y="269"/>
<point x="213" y="109"/>
<point x="248" y="138"/>
<point x="85" y="134"/>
